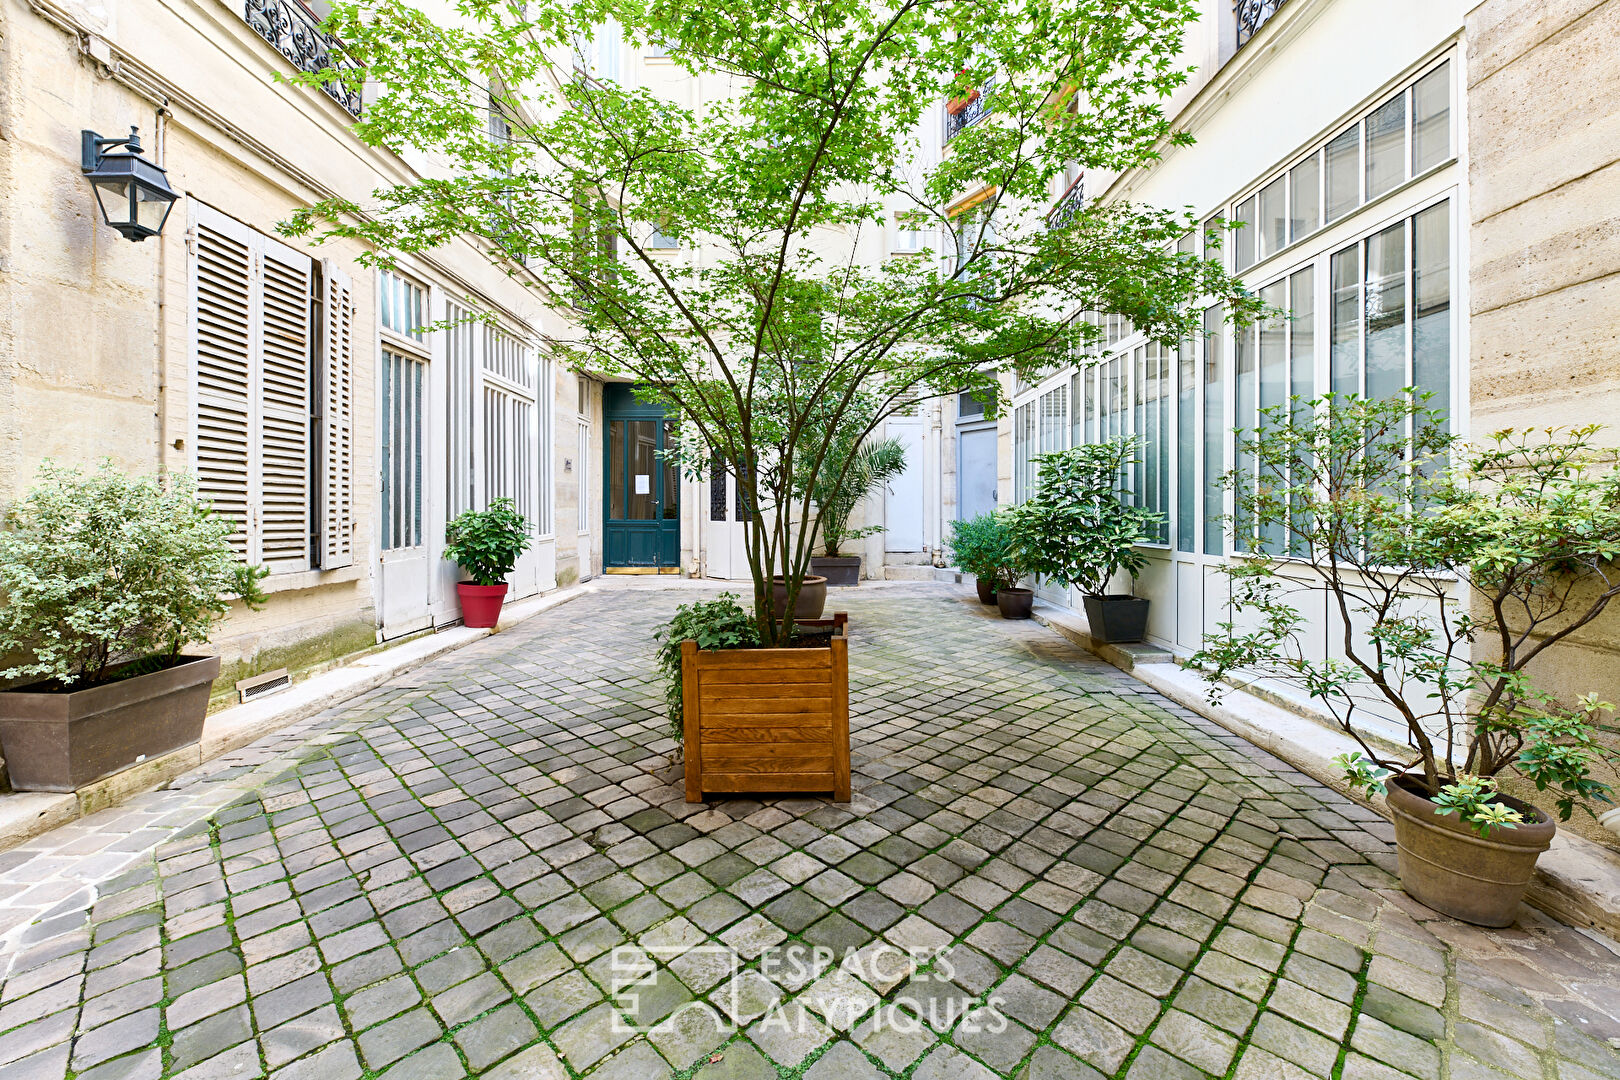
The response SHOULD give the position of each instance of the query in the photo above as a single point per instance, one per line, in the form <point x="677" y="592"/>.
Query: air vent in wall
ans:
<point x="260" y="685"/>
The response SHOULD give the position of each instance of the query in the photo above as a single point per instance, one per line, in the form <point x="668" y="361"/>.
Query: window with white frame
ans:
<point x="909" y="236"/>
<point x="402" y="386"/>
<point x="1023" y="451"/>
<point x="272" y="352"/>
<point x="1404" y="136"/>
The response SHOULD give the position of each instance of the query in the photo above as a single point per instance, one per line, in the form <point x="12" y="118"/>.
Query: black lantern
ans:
<point x="134" y="194"/>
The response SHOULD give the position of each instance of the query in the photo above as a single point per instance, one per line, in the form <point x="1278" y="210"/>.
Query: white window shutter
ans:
<point x="336" y="503"/>
<point x="285" y="479"/>
<point x="222" y="332"/>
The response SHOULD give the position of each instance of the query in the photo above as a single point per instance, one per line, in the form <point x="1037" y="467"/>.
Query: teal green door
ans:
<point x="642" y="507"/>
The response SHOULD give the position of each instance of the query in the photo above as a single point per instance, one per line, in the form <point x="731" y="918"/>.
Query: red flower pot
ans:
<point x="480" y="604"/>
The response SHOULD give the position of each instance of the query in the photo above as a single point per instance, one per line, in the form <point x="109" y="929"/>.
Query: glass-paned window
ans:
<point x="1273" y="390"/>
<point x="1139" y="482"/>
<point x="1344" y="358"/>
<point x="1431" y="119"/>
<point x="1214" y="430"/>
<point x="1082" y="409"/>
<point x="1385" y="294"/>
<point x="1302" y="362"/>
<point x="1245" y="422"/>
<point x="401" y="305"/>
<point x="1187" y="483"/>
<point x="1023" y="450"/>
<point x="1054" y="420"/>
<point x="1386" y="146"/>
<point x="1243" y="236"/>
<point x="1431" y="301"/>
<point x="1343" y="174"/>
<point x="1273" y="230"/>
<point x="1305" y="196"/>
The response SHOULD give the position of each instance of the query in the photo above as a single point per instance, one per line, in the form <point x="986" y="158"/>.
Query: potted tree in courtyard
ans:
<point x="486" y="544"/>
<point x="769" y="337"/>
<point x="863" y="469"/>
<point x="106" y="580"/>
<point x="1079" y="530"/>
<point x="1452" y="568"/>
<point x="981" y="546"/>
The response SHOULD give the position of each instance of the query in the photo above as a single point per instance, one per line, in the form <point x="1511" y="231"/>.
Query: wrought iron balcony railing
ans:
<point x="1252" y="15"/>
<point x="1068" y="206"/>
<point x="968" y="113"/>
<point x="296" y="33"/>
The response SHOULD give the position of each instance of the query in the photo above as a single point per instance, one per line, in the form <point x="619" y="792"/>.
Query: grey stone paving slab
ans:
<point x="443" y="876"/>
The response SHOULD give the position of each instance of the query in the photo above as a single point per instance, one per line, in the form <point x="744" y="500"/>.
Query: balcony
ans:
<point x="1252" y="15"/>
<point x="296" y="33"/>
<point x="963" y="113"/>
<point x="1068" y="206"/>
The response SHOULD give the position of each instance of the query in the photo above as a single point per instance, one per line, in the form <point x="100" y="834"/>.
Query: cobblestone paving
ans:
<point x="439" y="879"/>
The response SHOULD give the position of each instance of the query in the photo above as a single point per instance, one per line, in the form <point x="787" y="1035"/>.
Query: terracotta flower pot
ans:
<point x="63" y="740"/>
<point x="812" y="597"/>
<point x="1015" y="603"/>
<point x="987" y="590"/>
<point x="480" y="604"/>
<point x="1445" y="865"/>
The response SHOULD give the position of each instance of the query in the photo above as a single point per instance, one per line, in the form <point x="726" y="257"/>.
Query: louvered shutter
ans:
<point x="285" y="479"/>
<point x="223" y="318"/>
<point x="336" y="504"/>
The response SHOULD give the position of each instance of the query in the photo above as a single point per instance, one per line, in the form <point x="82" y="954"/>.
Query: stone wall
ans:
<point x="1544" y="247"/>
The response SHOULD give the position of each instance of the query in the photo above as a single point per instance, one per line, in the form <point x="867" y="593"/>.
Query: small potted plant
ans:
<point x="1078" y="530"/>
<point x="751" y="718"/>
<point x="982" y="546"/>
<point x="486" y="544"/>
<point x="1376" y="505"/>
<point x="106" y="580"/>
<point x="846" y="476"/>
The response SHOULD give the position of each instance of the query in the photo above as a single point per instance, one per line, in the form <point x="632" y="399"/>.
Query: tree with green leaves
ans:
<point x="770" y="335"/>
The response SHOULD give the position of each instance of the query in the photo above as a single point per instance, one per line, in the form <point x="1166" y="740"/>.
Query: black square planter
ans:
<point x="1117" y="620"/>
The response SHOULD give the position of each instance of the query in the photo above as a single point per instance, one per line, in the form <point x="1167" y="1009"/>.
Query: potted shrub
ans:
<point x="106" y="579"/>
<point x="1078" y="530"/>
<point x="486" y="544"/>
<point x="849" y="474"/>
<point x="1462" y="565"/>
<point x="981" y="546"/>
<point x="753" y="718"/>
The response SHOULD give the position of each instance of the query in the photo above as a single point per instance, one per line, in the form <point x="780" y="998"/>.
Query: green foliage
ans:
<point x="714" y="624"/>
<point x="1077" y="529"/>
<point x="779" y="342"/>
<point x="103" y="569"/>
<point x="849" y="472"/>
<point x="1473" y="798"/>
<point x="1452" y="567"/>
<point x="982" y="546"/>
<point x="487" y="543"/>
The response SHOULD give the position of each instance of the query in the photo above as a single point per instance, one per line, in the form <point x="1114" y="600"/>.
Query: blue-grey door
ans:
<point x="642" y="504"/>
<point x="975" y="471"/>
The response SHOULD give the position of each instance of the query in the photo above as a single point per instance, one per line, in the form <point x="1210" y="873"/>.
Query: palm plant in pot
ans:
<point x="1078" y="530"/>
<point x="1452" y="568"/>
<point x="849" y="472"/>
<point x="981" y="546"/>
<point x="486" y="544"/>
<point x="106" y="580"/>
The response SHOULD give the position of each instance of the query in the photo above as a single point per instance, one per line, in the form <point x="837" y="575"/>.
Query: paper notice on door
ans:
<point x="643" y="484"/>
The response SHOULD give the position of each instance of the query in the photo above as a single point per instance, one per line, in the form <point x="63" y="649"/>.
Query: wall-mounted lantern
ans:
<point x="134" y="194"/>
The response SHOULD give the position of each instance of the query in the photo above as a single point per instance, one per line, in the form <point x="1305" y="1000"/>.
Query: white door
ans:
<point x="975" y="471"/>
<point x="903" y="502"/>
<point x="405" y="580"/>
<point x="725" y="527"/>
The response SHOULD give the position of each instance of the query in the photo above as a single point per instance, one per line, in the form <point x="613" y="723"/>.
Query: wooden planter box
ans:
<point x="767" y="720"/>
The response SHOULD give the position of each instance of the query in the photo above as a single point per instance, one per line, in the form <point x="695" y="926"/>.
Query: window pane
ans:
<point x="1243" y="238"/>
<point x="1273" y="217"/>
<point x="1245" y="421"/>
<point x="1343" y="174"/>
<point x="1345" y="361"/>
<point x="1139" y="425"/>
<point x="1431" y="119"/>
<point x="1386" y="312"/>
<point x="1302" y="380"/>
<point x="1273" y="382"/>
<point x="1214" y="431"/>
<point x="1079" y="407"/>
<point x="672" y="473"/>
<point x="1213" y="248"/>
<point x="1386" y="146"/>
<point x="1162" y="382"/>
<point x="1305" y="192"/>
<point x="1431" y="290"/>
<point x="1186" y="450"/>
<point x="615" y="477"/>
<point x="643" y="468"/>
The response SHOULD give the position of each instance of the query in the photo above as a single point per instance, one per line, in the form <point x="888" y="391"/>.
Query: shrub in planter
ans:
<point x="1078" y="530"/>
<point x="1459" y="565"/>
<point x="753" y="718"/>
<point x="847" y="474"/>
<point x="106" y="579"/>
<point x="486" y="544"/>
<point x="982" y="546"/>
